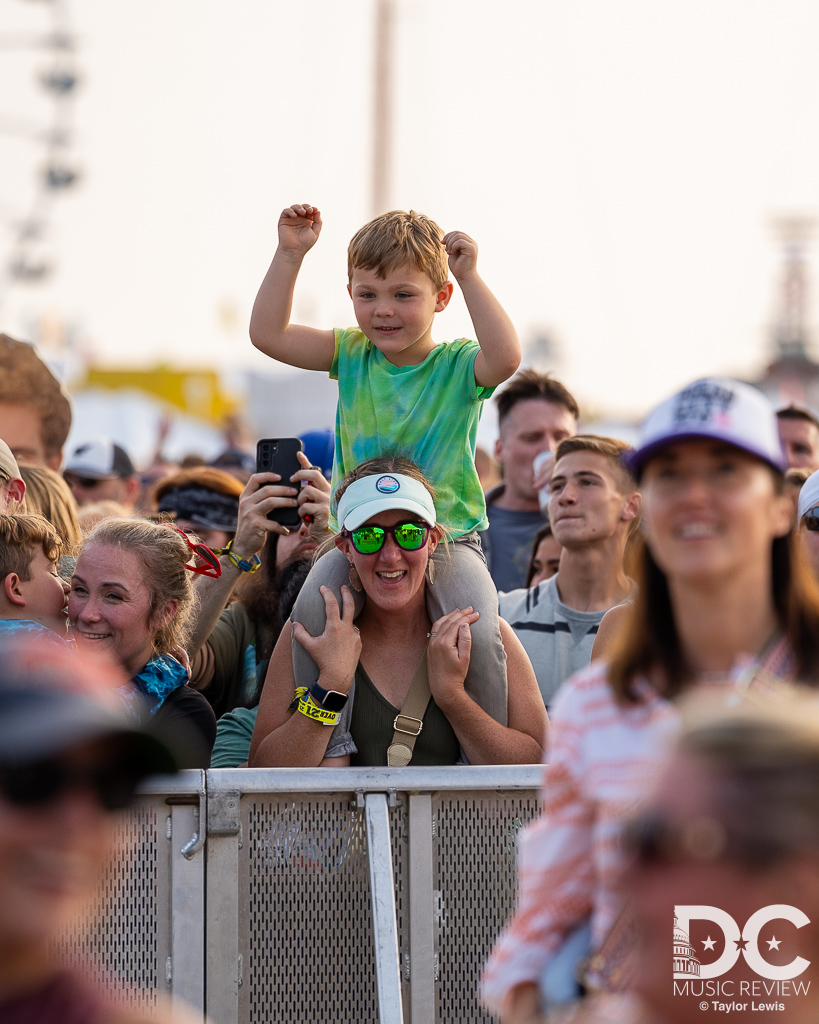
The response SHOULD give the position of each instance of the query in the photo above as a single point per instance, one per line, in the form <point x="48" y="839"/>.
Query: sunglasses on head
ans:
<point x="367" y="540"/>
<point x="40" y="783"/>
<point x="811" y="519"/>
<point x="212" y="567"/>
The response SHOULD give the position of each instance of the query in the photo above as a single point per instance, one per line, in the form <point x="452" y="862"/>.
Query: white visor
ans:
<point x="373" y="494"/>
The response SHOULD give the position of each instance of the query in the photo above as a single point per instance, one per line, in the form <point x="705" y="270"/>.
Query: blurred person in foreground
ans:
<point x="102" y="471"/>
<point x="594" y="507"/>
<point x="35" y="414"/>
<point x="723" y="600"/>
<point x="733" y="824"/>
<point x="132" y="600"/>
<point x="232" y="642"/>
<point x="69" y="763"/>
<point x="799" y="434"/>
<point x="535" y="413"/>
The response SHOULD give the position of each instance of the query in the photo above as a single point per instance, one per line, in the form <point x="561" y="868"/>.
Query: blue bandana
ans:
<point x="150" y="687"/>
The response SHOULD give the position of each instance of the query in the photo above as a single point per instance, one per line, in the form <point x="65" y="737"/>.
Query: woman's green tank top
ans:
<point x="372" y="729"/>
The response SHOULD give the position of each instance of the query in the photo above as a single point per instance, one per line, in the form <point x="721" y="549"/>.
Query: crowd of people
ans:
<point x="421" y="615"/>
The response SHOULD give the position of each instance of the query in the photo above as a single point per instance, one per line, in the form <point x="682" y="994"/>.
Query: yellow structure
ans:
<point x="196" y="392"/>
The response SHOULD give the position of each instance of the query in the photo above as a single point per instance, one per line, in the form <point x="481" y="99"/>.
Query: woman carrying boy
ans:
<point x="401" y="394"/>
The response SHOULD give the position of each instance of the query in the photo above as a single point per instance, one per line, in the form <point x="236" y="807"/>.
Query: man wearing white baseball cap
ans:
<point x="12" y="487"/>
<point x="101" y="471"/>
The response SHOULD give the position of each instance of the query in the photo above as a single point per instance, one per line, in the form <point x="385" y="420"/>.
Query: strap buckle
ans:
<point x="415" y="728"/>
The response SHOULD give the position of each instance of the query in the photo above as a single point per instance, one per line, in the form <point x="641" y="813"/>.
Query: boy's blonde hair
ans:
<point x="397" y="238"/>
<point x="21" y="535"/>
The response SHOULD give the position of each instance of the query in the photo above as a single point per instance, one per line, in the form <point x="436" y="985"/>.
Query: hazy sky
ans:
<point x="618" y="163"/>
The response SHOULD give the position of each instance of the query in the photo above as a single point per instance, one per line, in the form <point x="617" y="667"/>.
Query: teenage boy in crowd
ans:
<point x="35" y="415"/>
<point x="535" y="413"/>
<point x="594" y="506"/>
<point x="799" y="434"/>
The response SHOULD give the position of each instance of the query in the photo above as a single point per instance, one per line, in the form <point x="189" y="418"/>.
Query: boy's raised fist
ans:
<point x="299" y="227"/>
<point x="462" y="252"/>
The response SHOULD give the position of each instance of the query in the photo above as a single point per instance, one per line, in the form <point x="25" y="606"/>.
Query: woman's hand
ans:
<point x="448" y="654"/>
<point x="337" y="650"/>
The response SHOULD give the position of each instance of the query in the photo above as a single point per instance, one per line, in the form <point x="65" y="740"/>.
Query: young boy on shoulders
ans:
<point x="33" y="597"/>
<point x="401" y="393"/>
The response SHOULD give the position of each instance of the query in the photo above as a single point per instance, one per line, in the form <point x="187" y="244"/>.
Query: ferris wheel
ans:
<point x="39" y="79"/>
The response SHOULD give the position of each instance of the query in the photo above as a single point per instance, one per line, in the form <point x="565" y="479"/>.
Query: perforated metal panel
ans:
<point x="123" y="938"/>
<point x="474" y="852"/>
<point x="306" y="934"/>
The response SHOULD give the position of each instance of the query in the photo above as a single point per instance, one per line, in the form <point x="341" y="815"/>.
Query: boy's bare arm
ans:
<point x="500" y="352"/>
<point x="270" y="327"/>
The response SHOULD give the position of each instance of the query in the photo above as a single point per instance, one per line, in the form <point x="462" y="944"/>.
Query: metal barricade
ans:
<point x="322" y="895"/>
<point x="356" y="894"/>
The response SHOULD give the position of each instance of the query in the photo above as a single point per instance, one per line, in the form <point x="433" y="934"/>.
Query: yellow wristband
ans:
<point x="294" y="703"/>
<point x="312" y="710"/>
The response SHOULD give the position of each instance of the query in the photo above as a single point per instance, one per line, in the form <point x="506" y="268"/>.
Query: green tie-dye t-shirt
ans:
<point x="428" y="412"/>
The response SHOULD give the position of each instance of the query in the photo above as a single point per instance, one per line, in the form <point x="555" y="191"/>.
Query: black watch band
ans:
<point x="330" y="700"/>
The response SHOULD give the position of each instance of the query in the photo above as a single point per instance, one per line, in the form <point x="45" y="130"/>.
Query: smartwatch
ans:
<point x="330" y="700"/>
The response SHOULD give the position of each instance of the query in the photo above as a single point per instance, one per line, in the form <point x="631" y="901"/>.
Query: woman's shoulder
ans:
<point x="587" y="697"/>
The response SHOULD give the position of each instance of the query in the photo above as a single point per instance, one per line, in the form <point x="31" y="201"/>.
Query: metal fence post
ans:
<point x="390" y="1009"/>
<point x="188" y="909"/>
<point x="422" y="932"/>
<point x="223" y="963"/>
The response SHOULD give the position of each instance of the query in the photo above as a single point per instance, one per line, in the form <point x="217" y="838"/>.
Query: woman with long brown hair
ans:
<point x="723" y="601"/>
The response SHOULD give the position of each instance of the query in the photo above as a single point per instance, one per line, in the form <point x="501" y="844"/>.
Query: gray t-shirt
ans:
<point x="558" y="639"/>
<point x="507" y="544"/>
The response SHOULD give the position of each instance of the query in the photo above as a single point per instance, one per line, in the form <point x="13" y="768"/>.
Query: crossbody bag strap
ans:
<point x="410" y="720"/>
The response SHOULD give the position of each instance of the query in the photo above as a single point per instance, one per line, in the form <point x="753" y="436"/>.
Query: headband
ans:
<point x="202" y="506"/>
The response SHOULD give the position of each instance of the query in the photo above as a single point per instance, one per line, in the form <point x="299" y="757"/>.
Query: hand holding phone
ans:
<point x="278" y="455"/>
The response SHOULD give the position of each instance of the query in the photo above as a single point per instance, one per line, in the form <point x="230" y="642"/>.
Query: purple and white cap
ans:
<point x="716" y="408"/>
<point x="380" y="493"/>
